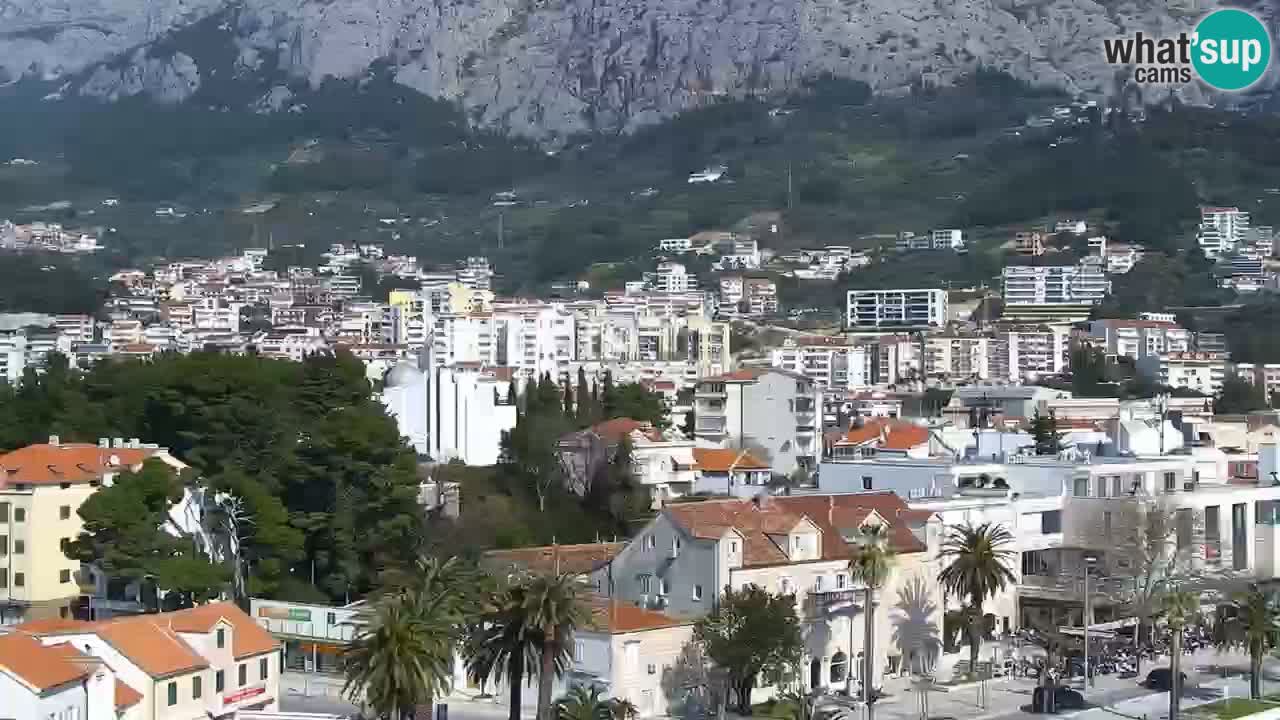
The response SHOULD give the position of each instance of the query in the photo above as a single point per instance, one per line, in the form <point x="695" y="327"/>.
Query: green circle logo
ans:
<point x="1231" y="49"/>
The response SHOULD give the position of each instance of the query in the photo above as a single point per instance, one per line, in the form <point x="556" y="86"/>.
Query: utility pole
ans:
<point x="789" y="203"/>
<point x="1088" y="566"/>
<point x="500" y="216"/>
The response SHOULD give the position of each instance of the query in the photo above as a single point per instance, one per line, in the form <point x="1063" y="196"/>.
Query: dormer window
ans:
<point x="222" y="638"/>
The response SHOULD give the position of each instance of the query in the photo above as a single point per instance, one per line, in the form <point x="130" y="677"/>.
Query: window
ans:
<point x="64" y="576"/>
<point x="219" y="681"/>
<point x="839" y="664"/>
<point x="1050" y="522"/>
<point x="4" y="578"/>
<point x="4" y="545"/>
<point x="1106" y="524"/>
<point x="653" y="669"/>
<point x="1117" y="486"/>
<point x="733" y="546"/>
<point x="675" y="545"/>
<point x="19" y="580"/>
<point x="244" y="674"/>
<point x="19" y="547"/>
<point x="331" y="618"/>
<point x="4" y="512"/>
<point x="1081" y="487"/>
<point x="662" y="586"/>
<point x="817" y="584"/>
<point x="222" y="638"/>
<point x="262" y="669"/>
<point x="840" y="580"/>
<point x="63" y="544"/>
<point x="644" y="583"/>
<point x="19" y="514"/>
<point x="578" y="648"/>
<point x="650" y="542"/>
<point x="1103" y="486"/>
<point x="197" y="688"/>
<point x="173" y="694"/>
<point x="866" y="482"/>
<point x="784" y="586"/>
<point x="1170" y="482"/>
<point x="64" y="512"/>
<point x="697" y="592"/>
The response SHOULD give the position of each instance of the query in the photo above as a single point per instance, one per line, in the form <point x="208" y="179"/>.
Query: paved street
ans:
<point x="1112" y="698"/>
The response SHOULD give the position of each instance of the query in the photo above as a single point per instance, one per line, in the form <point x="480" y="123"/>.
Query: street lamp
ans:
<point x="1089" y="562"/>
<point x="1162" y="405"/>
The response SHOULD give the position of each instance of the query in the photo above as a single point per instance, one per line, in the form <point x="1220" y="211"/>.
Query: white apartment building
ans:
<point x="947" y="239"/>
<point x="1047" y="291"/>
<point x="1202" y="372"/>
<point x="672" y="277"/>
<point x="1139" y="338"/>
<point x="476" y="273"/>
<point x="831" y="363"/>
<point x="464" y="338"/>
<point x="761" y="297"/>
<point x="1264" y="375"/>
<point x="894" y="309"/>
<point x="732" y="291"/>
<point x="774" y="412"/>
<point x="79" y="328"/>
<point x="958" y="357"/>
<point x="1222" y="229"/>
<point x="536" y="338"/>
<point x="675" y="245"/>
<point x="344" y="286"/>
<point x="13" y="357"/>
<point x="1020" y="352"/>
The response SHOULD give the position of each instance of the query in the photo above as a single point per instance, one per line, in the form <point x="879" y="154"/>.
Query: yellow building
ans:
<point x="41" y="490"/>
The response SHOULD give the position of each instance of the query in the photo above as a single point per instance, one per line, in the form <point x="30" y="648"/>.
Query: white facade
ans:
<point x="1202" y="372"/>
<point x="830" y="365"/>
<point x="673" y="277"/>
<point x="1139" y="338"/>
<point x="467" y="414"/>
<point x="947" y="239"/>
<point x="1082" y="284"/>
<point x="873" y="309"/>
<point x="776" y="411"/>
<point x="1222" y="230"/>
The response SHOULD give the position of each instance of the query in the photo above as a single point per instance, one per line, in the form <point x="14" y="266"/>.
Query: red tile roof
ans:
<point x="834" y="515"/>
<point x="577" y="559"/>
<point x="67" y="463"/>
<point x="722" y="460"/>
<point x="614" y="430"/>
<point x="248" y="637"/>
<point x="618" y="617"/>
<point x="126" y="696"/>
<point x="886" y="433"/>
<point x="41" y="667"/>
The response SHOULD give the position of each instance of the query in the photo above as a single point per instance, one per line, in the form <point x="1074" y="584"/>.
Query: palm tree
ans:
<point x="1180" y="607"/>
<point x="551" y="611"/>
<point x="979" y="569"/>
<point x="870" y="565"/>
<point x="583" y="703"/>
<point x="502" y="646"/>
<point x="1253" y="621"/>
<point x="400" y="659"/>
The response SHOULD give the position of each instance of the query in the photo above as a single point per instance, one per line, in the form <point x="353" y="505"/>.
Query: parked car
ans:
<point x="1162" y="679"/>
<point x="1067" y="699"/>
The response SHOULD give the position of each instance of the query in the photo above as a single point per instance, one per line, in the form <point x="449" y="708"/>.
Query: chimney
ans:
<point x="53" y="440"/>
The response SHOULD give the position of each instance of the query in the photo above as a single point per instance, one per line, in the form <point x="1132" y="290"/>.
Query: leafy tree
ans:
<point x="1252" y="622"/>
<point x="569" y="415"/>
<point x="978" y="568"/>
<point x="750" y="633"/>
<point x="635" y="401"/>
<point x="1089" y="372"/>
<point x="1239" y="396"/>
<point x="128" y="533"/>
<point x="871" y="564"/>
<point x="585" y="404"/>
<point x="1044" y="430"/>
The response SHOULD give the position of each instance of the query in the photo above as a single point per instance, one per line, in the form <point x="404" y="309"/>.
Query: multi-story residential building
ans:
<point x="908" y="241"/>
<point x="1139" y="338"/>
<point x="732" y="291"/>
<point x="774" y="412"/>
<point x="1243" y="265"/>
<point x="675" y="245"/>
<point x="1029" y="242"/>
<point x="1222" y="230"/>
<point x="1211" y="342"/>
<point x="896" y="309"/>
<point x="673" y="277"/>
<point x="207" y="661"/>
<point x="79" y="328"/>
<point x="1017" y="352"/>
<point x="1265" y="375"/>
<point x="41" y="490"/>
<point x="476" y="273"/>
<point x="1199" y="371"/>
<point x="1121" y="257"/>
<point x="957" y="357"/>
<point x="13" y="357"/>
<point x="682" y="561"/>
<point x="831" y="363"/>
<point x="344" y="286"/>
<point x="947" y="239"/>
<point x="761" y="297"/>
<point x="1048" y="292"/>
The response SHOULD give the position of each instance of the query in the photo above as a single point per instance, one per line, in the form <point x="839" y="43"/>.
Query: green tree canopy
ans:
<point x="750" y="633"/>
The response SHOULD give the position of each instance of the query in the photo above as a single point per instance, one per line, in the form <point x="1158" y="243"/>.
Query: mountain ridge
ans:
<point x="553" y="68"/>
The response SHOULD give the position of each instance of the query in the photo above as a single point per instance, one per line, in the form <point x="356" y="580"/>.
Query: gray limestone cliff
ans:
<point x="552" y="67"/>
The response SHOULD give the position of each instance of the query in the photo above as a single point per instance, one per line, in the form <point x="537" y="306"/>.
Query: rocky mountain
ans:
<point x="552" y="67"/>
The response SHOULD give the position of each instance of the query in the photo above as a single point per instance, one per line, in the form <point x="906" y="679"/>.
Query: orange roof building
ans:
<point x="42" y="487"/>
<point x="883" y="435"/>
<point x="205" y="661"/>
